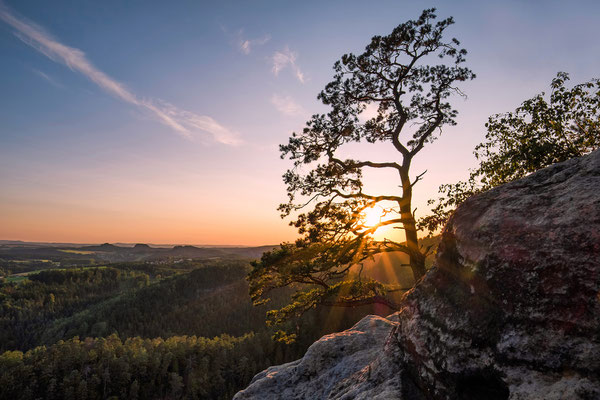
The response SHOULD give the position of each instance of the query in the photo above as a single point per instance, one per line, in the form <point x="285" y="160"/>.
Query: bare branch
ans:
<point x="418" y="178"/>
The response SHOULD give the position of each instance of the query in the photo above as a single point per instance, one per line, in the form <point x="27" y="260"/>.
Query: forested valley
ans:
<point x="139" y="330"/>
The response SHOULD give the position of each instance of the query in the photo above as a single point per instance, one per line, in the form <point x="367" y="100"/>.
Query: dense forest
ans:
<point x="185" y="329"/>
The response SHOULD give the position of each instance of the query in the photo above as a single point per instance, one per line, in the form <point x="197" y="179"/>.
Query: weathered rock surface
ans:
<point x="326" y="365"/>
<point x="511" y="310"/>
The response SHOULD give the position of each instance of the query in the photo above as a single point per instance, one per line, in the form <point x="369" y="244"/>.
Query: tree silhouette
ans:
<point x="539" y="133"/>
<point x="397" y="77"/>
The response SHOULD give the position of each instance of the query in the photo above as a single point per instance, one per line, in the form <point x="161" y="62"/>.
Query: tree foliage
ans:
<point x="28" y="309"/>
<point x="540" y="132"/>
<point x="408" y="77"/>
<point x="180" y="367"/>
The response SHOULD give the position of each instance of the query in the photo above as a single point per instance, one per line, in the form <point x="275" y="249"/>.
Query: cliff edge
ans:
<point x="510" y="310"/>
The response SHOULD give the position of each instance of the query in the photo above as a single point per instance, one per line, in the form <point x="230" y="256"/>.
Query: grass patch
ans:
<point x="16" y="278"/>
<point x="85" y="252"/>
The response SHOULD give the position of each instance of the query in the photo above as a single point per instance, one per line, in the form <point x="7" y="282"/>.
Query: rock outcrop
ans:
<point x="327" y="364"/>
<point x="511" y="309"/>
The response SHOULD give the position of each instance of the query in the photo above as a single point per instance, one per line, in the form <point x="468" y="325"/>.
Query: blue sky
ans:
<point x="159" y="121"/>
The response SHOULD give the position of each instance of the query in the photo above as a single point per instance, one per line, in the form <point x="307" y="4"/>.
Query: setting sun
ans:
<point x="372" y="216"/>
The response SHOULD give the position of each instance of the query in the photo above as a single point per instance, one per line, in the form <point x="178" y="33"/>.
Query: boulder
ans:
<point x="510" y="310"/>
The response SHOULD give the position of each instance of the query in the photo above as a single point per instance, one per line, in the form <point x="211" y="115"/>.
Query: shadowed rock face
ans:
<point x="511" y="310"/>
<point x="513" y="302"/>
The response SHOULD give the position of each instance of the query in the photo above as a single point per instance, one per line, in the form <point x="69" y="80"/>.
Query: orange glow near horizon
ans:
<point x="144" y="224"/>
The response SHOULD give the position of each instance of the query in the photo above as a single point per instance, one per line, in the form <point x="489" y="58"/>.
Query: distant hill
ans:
<point x="102" y="247"/>
<point x="31" y="256"/>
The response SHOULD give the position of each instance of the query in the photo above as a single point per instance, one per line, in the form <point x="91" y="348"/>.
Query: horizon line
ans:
<point x="5" y="241"/>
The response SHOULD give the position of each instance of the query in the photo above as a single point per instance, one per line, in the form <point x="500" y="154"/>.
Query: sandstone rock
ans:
<point x="326" y="365"/>
<point x="511" y="308"/>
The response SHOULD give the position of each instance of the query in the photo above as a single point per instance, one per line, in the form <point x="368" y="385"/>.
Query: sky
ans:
<point x="159" y="122"/>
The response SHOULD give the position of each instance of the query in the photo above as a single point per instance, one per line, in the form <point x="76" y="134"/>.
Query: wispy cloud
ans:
<point x="246" y="45"/>
<point x="183" y="122"/>
<point x="287" y="106"/>
<point x="241" y="42"/>
<point x="47" y="78"/>
<point x="281" y="59"/>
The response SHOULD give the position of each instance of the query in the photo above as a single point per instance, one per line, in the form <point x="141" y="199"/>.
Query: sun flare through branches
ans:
<point x="377" y="221"/>
<point x="371" y="217"/>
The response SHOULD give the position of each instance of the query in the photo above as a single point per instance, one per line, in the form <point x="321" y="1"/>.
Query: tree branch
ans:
<point x="361" y="164"/>
<point x="361" y="195"/>
<point x="418" y="178"/>
<point x="363" y="302"/>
